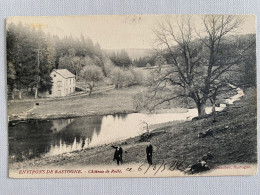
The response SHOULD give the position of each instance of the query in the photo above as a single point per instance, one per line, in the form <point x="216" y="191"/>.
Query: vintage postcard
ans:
<point x="131" y="96"/>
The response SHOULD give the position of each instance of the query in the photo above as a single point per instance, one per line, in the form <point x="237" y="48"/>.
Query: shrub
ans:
<point x="125" y="78"/>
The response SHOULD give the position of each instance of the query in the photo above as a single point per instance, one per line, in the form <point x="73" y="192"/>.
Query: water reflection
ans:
<point x="52" y="137"/>
<point x="58" y="125"/>
<point x="76" y="136"/>
<point x="35" y="138"/>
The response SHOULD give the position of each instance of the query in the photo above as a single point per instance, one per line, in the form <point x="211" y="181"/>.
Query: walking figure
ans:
<point x="149" y="153"/>
<point x="118" y="155"/>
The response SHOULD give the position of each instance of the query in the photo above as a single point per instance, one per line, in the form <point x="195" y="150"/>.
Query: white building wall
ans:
<point x="57" y="89"/>
<point x="62" y="86"/>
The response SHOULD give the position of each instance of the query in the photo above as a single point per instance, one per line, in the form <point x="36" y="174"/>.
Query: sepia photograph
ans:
<point x="102" y="96"/>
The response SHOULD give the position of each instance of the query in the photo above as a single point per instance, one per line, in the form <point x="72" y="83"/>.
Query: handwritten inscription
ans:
<point x="156" y="168"/>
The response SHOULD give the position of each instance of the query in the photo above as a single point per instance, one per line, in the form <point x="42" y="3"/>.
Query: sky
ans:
<point x="110" y="31"/>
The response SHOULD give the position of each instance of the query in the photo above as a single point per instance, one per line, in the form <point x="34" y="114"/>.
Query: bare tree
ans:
<point x="200" y="59"/>
<point x="146" y="127"/>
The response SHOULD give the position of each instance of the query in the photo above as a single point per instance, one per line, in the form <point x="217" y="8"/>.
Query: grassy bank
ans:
<point x="233" y="140"/>
<point x="99" y="103"/>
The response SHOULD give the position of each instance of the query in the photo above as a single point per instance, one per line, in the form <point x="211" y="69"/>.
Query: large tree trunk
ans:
<point x="214" y="110"/>
<point x="201" y="109"/>
<point x="213" y="101"/>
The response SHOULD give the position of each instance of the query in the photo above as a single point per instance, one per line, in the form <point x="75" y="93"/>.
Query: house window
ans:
<point x="54" y="75"/>
<point x="70" y="81"/>
<point x="59" y="84"/>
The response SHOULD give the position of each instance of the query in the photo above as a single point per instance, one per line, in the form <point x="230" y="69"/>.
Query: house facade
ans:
<point x="63" y="83"/>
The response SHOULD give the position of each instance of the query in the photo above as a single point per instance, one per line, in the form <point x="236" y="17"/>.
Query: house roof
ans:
<point x="64" y="73"/>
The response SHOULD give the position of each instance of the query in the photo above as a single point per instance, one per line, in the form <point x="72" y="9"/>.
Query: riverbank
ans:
<point x="113" y="101"/>
<point x="233" y="140"/>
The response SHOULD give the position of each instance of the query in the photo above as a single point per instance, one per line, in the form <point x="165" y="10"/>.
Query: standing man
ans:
<point x="120" y="155"/>
<point x="149" y="153"/>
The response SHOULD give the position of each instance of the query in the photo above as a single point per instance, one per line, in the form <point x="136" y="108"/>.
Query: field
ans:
<point x="99" y="103"/>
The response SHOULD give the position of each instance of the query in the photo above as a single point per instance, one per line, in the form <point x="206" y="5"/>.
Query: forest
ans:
<point x="33" y="54"/>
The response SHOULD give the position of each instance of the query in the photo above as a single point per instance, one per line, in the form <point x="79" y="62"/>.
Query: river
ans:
<point x="30" y="139"/>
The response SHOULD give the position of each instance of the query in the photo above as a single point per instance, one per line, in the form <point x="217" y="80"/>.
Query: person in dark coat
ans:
<point x="149" y="153"/>
<point x="118" y="155"/>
